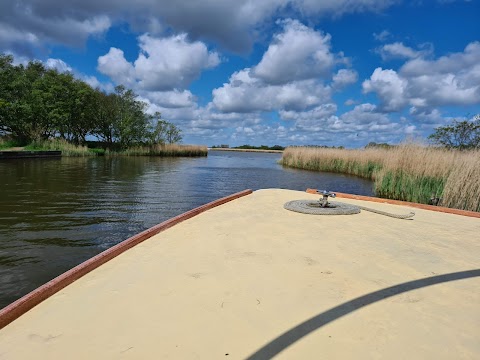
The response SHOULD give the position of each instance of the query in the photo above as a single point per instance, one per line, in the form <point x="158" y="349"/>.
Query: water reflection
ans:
<point x="56" y="213"/>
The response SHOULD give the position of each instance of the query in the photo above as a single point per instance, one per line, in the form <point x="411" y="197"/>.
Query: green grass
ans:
<point x="7" y="144"/>
<point x="97" y="151"/>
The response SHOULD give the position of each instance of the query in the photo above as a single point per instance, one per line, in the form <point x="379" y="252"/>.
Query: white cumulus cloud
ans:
<point x="116" y="67"/>
<point x="172" y="62"/>
<point x="295" y="73"/>
<point x="398" y="50"/>
<point x="245" y="93"/>
<point x="58" y="64"/>
<point x="297" y="53"/>
<point x="344" y="77"/>
<point x="452" y="79"/>
<point x="389" y="87"/>
<point x="163" y="64"/>
<point x="171" y="99"/>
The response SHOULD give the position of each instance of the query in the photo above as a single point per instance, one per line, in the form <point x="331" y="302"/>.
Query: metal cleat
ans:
<point x="324" y="200"/>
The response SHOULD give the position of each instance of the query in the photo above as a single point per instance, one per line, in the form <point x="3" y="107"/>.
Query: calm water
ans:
<point x="56" y="213"/>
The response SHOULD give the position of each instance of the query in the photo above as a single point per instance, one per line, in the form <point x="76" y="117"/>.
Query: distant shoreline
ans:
<point x="245" y="150"/>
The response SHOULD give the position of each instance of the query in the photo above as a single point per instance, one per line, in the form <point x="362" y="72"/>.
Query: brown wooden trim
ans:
<point x="22" y="305"/>
<point x="404" y="203"/>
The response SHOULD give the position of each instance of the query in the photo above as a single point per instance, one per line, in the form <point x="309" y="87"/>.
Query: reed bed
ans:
<point x="67" y="149"/>
<point x="408" y="172"/>
<point x="246" y="150"/>
<point x="170" y="150"/>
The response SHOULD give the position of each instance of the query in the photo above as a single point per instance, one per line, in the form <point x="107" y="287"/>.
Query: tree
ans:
<point x="105" y="117"/>
<point x="132" y="121"/>
<point x="7" y="73"/>
<point x="21" y="98"/>
<point x="162" y="132"/>
<point x="173" y="134"/>
<point x="373" y="145"/>
<point x="120" y="118"/>
<point x="459" y="135"/>
<point x="81" y="111"/>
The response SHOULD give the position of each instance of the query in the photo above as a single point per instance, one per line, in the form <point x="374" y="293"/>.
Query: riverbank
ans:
<point x="408" y="172"/>
<point x="72" y="150"/>
<point x="166" y="150"/>
<point x="22" y="154"/>
<point x="245" y="150"/>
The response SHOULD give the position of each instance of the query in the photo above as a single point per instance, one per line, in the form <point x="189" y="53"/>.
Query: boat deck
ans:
<point x="250" y="279"/>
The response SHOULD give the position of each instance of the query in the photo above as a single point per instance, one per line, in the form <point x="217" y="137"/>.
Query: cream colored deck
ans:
<point x="232" y="279"/>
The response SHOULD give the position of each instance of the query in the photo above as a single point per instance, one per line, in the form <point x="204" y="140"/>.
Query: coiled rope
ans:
<point x="335" y="208"/>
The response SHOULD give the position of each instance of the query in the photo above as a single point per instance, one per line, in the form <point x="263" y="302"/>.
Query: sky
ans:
<point x="267" y="72"/>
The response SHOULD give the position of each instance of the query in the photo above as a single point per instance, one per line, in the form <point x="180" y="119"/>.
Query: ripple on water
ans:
<point x="55" y="214"/>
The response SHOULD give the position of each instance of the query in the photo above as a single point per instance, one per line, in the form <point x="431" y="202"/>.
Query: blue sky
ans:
<point x="287" y="72"/>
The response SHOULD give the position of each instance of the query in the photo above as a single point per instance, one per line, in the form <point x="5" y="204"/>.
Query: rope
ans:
<point x="314" y="208"/>
<point x="335" y="208"/>
<point x="396" y="216"/>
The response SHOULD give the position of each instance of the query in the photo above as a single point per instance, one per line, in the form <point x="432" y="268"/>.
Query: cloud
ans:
<point x="452" y="79"/>
<point x="10" y="35"/>
<point x="23" y="29"/>
<point x="389" y="87"/>
<point x="452" y="63"/>
<point x="343" y="78"/>
<point x="297" y="53"/>
<point x="18" y="41"/>
<point x="95" y="83"/>
<point x="293" y="74"/>
<point x="231" y="23"/>
<point x="171" y="99"/>
<point x="429" y="117"/>
<point x="363" y="123"/>
<point x="320" y="112"/>
<point x="163" y="64"/>
<point x="262" y="134"/>
<point x="398" y="50"/>
<point x="245" y="93"/>
<point x="58" y="64"/>
<point x="366" y="115"/>
<point x="340" y="7"/>
<point x="114" y="65"/>
<point x="173" y="62"/>
<point x="382" y="36"/>
<point x="350" y="102"/>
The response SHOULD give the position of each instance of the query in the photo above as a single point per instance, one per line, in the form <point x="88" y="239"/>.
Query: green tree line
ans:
<point x="37" y="103"/>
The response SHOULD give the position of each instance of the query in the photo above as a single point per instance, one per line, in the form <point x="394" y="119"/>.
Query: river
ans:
<point x="56" y="213"/>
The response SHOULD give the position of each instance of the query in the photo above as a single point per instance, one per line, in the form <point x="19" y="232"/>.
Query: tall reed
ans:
<point x="408" y="172"/>
<point x="165" y="150"/>
<point x="362" y="163"/>
<point x="67" y="149"/>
